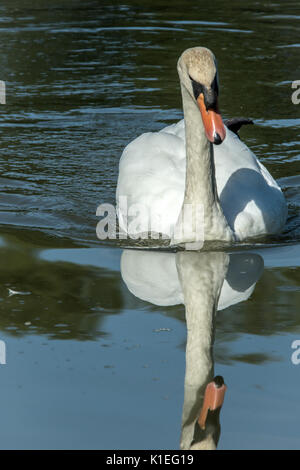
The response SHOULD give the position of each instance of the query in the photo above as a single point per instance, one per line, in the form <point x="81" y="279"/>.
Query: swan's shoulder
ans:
<point x="177" y="129"/>
<point x="153" y="162"/>
<point x="168" y="144"/>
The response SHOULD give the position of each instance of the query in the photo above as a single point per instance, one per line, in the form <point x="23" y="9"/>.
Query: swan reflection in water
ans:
<point x="204" y="282"/>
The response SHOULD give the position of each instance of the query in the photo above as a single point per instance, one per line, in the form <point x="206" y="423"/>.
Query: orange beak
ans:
<point x="213" y="399"/>
<point x="212" y="121"/>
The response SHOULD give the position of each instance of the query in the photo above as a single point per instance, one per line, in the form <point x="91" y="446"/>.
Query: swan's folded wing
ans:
<point x="252" y="201"/>
<point x="152" y="177"/>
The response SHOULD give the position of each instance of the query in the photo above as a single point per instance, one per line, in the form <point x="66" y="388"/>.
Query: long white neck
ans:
<point x="201" y="276"/>
<point x="200" y="183"/>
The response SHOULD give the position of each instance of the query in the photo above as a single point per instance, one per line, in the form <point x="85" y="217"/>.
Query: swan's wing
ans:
<point x="231" y="156"/>
<point x="152" y="177"/>
<point x="251" y="199"/>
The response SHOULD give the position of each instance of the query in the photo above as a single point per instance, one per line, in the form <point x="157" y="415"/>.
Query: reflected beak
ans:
<point x="213" y="399"/>
<point x="212" y="121"/>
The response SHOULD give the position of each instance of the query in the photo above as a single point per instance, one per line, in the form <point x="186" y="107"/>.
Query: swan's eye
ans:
<point x="197" y="88"/>
<point x="210" y="94"/>
<point x="215" y="85"/>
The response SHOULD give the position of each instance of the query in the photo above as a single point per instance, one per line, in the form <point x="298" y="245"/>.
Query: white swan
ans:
<point x="161" y="172"/>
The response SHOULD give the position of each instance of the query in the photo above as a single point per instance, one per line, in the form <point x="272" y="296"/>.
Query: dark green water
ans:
<point x="91" y="363"/>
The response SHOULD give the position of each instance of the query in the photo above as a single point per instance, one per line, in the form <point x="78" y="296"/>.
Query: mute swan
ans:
<point x="184" y="164"/>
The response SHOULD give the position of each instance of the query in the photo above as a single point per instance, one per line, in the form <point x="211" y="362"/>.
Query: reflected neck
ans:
<point x="201" y="277"/>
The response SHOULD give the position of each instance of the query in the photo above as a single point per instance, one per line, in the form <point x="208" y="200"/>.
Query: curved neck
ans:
<point x="199" y="157"/>
<point x="200" y="183"/>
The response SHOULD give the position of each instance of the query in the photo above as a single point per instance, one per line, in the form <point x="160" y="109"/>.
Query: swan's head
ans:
<point x="197" y="71"/>
<point x="207" y="429"/>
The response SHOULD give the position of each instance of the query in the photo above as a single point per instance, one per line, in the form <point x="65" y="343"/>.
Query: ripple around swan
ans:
<point x="279" y="123"/>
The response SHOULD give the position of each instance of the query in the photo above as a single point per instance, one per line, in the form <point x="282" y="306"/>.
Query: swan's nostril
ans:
<point x="217" y="139"/>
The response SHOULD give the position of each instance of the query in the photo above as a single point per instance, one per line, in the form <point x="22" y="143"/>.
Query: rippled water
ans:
<point x="93" y="361"/>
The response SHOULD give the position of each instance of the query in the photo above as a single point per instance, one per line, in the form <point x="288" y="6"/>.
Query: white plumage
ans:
<point x="152" y="174"/>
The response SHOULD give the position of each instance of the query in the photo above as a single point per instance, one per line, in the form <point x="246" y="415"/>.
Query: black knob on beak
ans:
<point x="219" y="381"/>
<point x="217" y="139"/>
